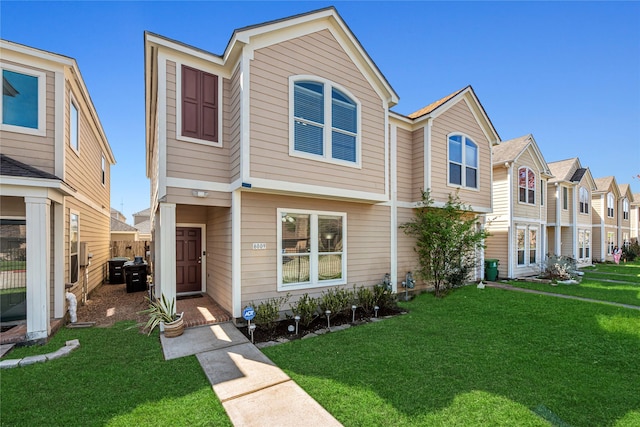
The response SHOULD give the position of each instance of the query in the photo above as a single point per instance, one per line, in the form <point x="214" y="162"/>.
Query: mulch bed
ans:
<point x="112" y="303"/>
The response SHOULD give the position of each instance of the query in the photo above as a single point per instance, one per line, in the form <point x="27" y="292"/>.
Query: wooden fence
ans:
<point x="129" y="249"/>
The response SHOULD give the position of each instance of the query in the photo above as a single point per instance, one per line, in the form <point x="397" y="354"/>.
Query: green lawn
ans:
<point x="595" y="284"/>
<point x="478" y="357"/>
<point x="117" y="377"/>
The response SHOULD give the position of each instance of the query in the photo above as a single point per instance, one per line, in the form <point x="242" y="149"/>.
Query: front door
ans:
<point x="188" y="259"/>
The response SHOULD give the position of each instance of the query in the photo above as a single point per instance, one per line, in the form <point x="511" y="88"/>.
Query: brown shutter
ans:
<point x="190" y="101"/>
<point x="209" y="107"/>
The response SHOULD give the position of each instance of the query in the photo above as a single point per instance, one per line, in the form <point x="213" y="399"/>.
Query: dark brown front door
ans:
<point x="188" y="260"/>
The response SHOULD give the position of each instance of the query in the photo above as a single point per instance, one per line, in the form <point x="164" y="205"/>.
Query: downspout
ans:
<point x="603" y="253"/>
<point x="557" y="237"/>
<point x="393" y="130"/>
<point x="510" y="255"/>
<point x="574" y="224"/>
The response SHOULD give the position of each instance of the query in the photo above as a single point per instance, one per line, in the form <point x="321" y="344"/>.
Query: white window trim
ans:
<point x="178" y="100"/>
<point x="586" y="236"/>
<point x="527" y="229"/>
<point x="327" y="128"/>
<point x="74" y="103"/>
<point x="71" y="213"/>
<point x="610" y="242"/>
<point x="611" y="205"/>
<point x="463" y="177"/>
<point x="313" y="255"/>
<point x="535" y="187"/>
<point x="42" y="102"/>
<point x="625" y="209"/>
<point x="583" y="190"/>
<point x="565" y="190"/>
<point x="103" y="176"/>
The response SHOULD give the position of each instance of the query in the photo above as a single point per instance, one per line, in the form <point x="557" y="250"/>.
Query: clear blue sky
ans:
<point x="569" y="73"/>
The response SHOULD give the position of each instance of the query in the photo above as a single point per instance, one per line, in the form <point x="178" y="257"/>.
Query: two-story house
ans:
<point x="277" y="167"/>
<point x="54" y="185"/>
<point x="518" y="224"/>
<point x="635" y="217"/>
<point x="605" y="218"/>
<point x="445" y="148"/>
<point x="624" y="214"/>
<point x="569" y="211"/>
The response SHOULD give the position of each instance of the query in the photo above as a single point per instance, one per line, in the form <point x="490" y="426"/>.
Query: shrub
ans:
<point x="366" y="299"/>
<point x="631" y="252"/>
<point x="383" y="297"/>
<point x="336" y="300"/>
<point x="307" y="308"/>
<point x="559" y="267"/>
<point x="268" y="312"/>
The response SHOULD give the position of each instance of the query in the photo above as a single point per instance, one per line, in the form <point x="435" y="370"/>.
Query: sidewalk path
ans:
<point x="252" y="389"/>
<point x="552" y="294"/>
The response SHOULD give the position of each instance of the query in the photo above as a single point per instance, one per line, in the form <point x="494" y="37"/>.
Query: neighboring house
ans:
<point x="605" y="218"/>
<point x="444" y="147"/>
<point x="569" y="211"/>
<point x="624" y="215"/>
<point x="518" y="225"/>
<point x="121" y="231"/>
<point x="635" y="217"/>
<point x="54" y="180"/>
<point x="118" y="215"/>
<point x="142" y="222"/>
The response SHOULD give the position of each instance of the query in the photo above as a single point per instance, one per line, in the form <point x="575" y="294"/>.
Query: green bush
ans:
<point x="307" y="308"/>
<point x="336" y="300"/>
<point x="631" y="252"/>
<point x="383" y="297"/>
<point x="366" y="299"/>
<point x="268" y="312"/>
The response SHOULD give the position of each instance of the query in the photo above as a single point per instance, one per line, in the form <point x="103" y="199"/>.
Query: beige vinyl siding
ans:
<point x="188" y="214"/>
<point x="94" y="230"/>
<point x="367" y="241"/>
<point x="498" y="247"/>
<point x="565" y="214"/>
<point x="500" y="192"/>
<point x="185" y="196"/>
<point x="317" y="54"/>
<point x="12" y="207"/>
<point x="596" y="243"/>
<point x="598" y="206"/>
<point x="567" y="241"/>
<point x="33" y="150"/>
<point x="407" y="258"/>
<point x="83" y="169"/>
<point x="233" y="121"/>
<point x="551" y="240"/>
<point x="417" y="165"/>
<point x="219" y="256"/>
<point x="189" y="160"/>
<point x="550" y="203"/>
<point x="404" y="165"/>
<point x="459" y="118"/>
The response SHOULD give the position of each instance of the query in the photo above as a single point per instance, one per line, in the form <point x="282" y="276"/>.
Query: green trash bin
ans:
<point x="491" y="269"/>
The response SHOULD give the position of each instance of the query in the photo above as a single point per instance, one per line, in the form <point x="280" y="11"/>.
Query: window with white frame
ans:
<point x="584" y="244"/>
<point x="104" y="170"/>
<point x="584" y="200"/>
<point x="610" y="205"/>
<point x="542" y="185"/>
<point x="526" y="186"/>
<point x="311" y="249"/>
<point x="23" y="100"/>
<point x="610" y="242"/>
<point x="625" y="240"/>
<point x="74" y="130"/>
<point x="565" y="198"/>
<point x="325" y="121"/>
<point x="74" y="229"/>
<point x="625" y="209"/>
<point x="527" y="245"/>
<point x="463" y="161"/>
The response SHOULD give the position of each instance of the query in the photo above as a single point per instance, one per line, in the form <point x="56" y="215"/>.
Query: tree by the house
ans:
<point x="447" y="239"/>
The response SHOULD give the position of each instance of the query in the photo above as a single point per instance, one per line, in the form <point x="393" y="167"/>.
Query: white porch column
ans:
<point x="38" y="261"/>
<point x="165" y="263"/>
<point x="58" y="261"/>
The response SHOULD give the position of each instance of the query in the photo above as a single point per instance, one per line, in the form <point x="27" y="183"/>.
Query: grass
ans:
<point x="595" y="284"/>
<point x="117" y="377"/>
<point x="490" y="357"/>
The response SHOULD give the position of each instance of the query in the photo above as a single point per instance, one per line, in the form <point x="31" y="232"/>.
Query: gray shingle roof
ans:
<point x="561" y="169"/>
<point x="117" y="225"/>
<point x="508" y="151"/>
<point x="12" y="167"/>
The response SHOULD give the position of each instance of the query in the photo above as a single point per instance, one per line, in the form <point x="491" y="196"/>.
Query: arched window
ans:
<point x="527" y="185"/>
<point x="610" y="205"/>
<point x="625" y="209"/>
<point x="325" y="122"/>
<point x="463" y="161"/>
<point x="584" y="200"/>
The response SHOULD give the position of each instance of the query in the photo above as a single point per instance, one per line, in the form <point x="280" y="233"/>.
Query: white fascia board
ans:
<point x="36" y="187"/>
<point x="193" y="184"/>
<point x="181" y="47"/>
<point x="315" y="191"/>
<point x="436" y="204"/>
<point x="161" y="117"/>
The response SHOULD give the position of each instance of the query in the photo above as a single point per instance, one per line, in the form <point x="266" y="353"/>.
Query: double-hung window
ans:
<point x="74" y="230"/>
<point x="74" y="126"/>
<point x="584" y="200"/>
<point x="463" y="161"/>
<point x="527" y="245"/>
<point x="625" y="209"/>
<point x="199" y="114"/>
<point x="527" y="186"/>
<point x="610" y="205"/>
<point x="311" y="249"/>
<point x="565" y="198"/>
<point x="23" y="100"/>
<point x="584" y="244"/>
<point x="325" y="122"/>
<point x="610" y="242"/>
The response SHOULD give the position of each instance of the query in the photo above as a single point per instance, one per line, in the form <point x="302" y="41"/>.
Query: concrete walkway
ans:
<point x="553" y="294"/>
<point x="252" y="389"/>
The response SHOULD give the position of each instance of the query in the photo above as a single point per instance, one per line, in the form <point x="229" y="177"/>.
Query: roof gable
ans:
<point x="607" y="184"/>
<point x="512" y="150"/>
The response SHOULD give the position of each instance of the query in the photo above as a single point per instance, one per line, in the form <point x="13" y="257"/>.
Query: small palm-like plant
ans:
<point x="160" y="310"/>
